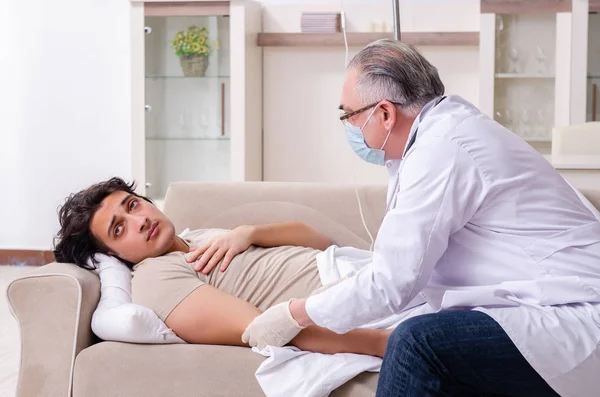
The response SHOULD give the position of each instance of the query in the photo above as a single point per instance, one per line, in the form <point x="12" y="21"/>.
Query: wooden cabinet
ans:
<point x="196" y="93"/>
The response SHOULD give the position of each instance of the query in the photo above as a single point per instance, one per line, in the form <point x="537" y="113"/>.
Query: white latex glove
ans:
<point x="275" y="327"/>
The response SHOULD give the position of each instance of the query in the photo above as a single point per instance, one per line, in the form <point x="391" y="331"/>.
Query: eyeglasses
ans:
<point x="345" y="116"/>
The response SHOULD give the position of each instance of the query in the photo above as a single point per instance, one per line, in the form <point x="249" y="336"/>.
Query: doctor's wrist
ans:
<point x="298" y="311"/>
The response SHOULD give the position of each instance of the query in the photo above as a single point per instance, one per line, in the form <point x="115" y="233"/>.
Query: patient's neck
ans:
<point x="179" y="244"/>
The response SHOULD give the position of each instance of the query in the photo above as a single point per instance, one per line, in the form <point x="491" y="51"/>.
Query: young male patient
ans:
<point x="260" y="266"/>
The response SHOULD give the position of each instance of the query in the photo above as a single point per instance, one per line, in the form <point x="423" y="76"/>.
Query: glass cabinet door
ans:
<point x="187" y="100"/>
<point x="593" y="78"/>
<point x="525" y="71"/>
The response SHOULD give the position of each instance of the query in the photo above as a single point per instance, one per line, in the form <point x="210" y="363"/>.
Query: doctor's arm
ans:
<point x="440" y="189"/>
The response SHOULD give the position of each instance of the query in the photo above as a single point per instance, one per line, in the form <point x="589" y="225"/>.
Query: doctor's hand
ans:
<point x="224" y="247"/>
<point x="275" y="327"/>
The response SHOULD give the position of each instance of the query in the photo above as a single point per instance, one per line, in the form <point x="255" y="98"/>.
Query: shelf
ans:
<point x="224" y="138"/>
<point x="525" y="7"/>
<point x="522" y="76"/>
<point x="362" y="39"/>
<point x="593" y="77"/>
<point x="185" y="77"/>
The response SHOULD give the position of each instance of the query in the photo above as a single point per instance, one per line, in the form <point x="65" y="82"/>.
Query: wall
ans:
<point x="303" y="138"/>
<point x="64" y="108"/>
<point x="65" y="99"/>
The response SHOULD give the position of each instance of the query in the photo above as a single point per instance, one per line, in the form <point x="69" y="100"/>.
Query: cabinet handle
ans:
<point x="147" y="29"/>
<point x="594" y="100"/>
<point x="148" y="108"/>
<point x="222" y="109"/>
<point x="148" y="185"/>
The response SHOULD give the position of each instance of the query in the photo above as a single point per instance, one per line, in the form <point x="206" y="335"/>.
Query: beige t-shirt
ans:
<point x="262" y="277"/>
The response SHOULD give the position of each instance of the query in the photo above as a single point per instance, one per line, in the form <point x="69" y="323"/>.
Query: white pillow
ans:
<point x="116" y="318"/>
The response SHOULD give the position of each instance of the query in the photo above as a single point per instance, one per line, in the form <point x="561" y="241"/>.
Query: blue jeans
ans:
<point x="456" y="353"/>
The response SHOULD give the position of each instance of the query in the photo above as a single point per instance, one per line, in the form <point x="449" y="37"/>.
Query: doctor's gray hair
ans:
<point x="397" y="72"/>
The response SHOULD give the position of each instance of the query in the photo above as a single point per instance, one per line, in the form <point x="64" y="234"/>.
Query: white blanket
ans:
<point x="290" y="372"/>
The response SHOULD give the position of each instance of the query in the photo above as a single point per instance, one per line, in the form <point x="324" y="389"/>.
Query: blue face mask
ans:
<point x="356" y="139"/>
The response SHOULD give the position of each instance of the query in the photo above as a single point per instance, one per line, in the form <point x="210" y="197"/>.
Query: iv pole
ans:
<point x="396" y="6"/>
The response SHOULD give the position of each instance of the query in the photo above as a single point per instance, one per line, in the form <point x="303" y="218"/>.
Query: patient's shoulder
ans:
<point x="161" y="283"/>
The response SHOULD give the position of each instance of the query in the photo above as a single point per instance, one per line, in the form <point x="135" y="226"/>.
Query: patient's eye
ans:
<point x="133" y="204"/>
<point x="118" y="230"/>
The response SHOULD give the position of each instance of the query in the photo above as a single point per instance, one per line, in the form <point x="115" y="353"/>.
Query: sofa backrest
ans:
<point x="593" y="196"/>
<point x="333" y="209"/>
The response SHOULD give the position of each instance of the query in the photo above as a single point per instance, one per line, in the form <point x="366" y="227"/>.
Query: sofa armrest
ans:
<point x="53" y="306"/>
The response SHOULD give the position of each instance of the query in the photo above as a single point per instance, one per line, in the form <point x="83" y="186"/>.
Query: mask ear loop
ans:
<point x="386" y="139"/>
<point x="360" y="210"/>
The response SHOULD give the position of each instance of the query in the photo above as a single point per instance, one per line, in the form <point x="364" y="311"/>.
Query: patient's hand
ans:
<point x="224" y="247"/>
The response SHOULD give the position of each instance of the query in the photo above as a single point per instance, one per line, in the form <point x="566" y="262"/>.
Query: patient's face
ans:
<point x="132" y="228"/>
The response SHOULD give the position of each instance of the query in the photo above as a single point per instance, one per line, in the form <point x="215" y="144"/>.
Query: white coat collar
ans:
<point x="413" y="130"/>
<point x="393" y="166"/>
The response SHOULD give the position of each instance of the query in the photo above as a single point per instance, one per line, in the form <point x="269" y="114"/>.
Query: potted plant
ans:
<point x="193" y="49"/>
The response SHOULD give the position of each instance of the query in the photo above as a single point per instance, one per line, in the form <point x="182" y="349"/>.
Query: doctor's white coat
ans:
<point x="478" y="219"/>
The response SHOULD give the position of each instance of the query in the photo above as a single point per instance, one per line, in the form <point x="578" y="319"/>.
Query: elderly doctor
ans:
<point x="478" y="224"/>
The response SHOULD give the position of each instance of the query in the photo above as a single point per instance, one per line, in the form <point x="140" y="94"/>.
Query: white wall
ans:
<point x="65" y="99"/>
<point x="64" y="108"/>
<point x="303" y="138"/>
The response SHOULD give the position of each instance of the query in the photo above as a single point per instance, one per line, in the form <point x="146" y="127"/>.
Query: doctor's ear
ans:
<point x="390" y="114"/>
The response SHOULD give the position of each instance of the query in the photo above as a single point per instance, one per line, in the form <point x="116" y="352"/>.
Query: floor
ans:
<point x="9" y="333"/>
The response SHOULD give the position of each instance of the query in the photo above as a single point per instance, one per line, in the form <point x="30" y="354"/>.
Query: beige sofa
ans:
<point x="61" y="356"/>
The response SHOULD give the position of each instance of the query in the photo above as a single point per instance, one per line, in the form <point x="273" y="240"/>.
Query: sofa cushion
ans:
<point x="126" y="370"/>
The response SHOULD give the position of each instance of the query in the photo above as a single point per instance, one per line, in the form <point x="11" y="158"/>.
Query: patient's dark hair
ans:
<point x="75" y="242"/>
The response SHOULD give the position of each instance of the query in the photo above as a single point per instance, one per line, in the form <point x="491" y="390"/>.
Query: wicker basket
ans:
<point x="193" y="65"/>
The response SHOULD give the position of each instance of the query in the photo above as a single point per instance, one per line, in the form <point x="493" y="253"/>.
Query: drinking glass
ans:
<point x="500" y="45"/>
<point x="513" y="55"/>
<point x="525" y="120"/>
<point x="541" y="124"/>
<point x="509" y="119"/>
<point x="541" y="58"/>
<point x="500" y="116"/>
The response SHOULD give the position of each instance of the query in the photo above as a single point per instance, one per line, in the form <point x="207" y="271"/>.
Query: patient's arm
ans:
<point x="210" y="316"/>
<point x="227" y="246"/>
<point x="289" y="233"/>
